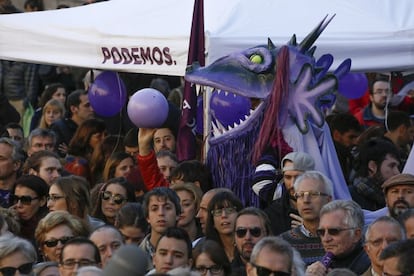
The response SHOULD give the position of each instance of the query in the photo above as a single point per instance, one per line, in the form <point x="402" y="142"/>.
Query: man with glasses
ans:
<point x="108" y="239"/>
<point x="271" y="255"/>
<point x="251" y="225"/>
<point x="313" y="190"/>
<point x="76" y="253"/>
<point x="340" y="229"/>
<point x="380" y="233"/>
<point x="379" y="96"/>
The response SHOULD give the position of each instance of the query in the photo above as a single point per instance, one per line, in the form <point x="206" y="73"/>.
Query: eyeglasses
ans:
<point x="54" y="198"/>
<point x="254" y="231"/>
<point x="215" y="269"/>
<point x="382" y="92"/>
<point x="69" y="264"/>
<point x="379" y="242"/>
<point x="25" y="200"/>
<point x="309" y="194"/>
<point x="117" y="198"/>
<point x="54" y="242"/>
<point x="263" y="271"/>
<point x="331" y="231"/>
<point x="26" y="268"/>
<point x="227" y="210"/>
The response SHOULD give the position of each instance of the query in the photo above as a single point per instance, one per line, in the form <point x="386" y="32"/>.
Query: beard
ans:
<point x="396" y="211"/>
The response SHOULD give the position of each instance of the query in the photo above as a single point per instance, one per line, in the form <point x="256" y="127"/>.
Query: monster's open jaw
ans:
<point x="219" y="131"/>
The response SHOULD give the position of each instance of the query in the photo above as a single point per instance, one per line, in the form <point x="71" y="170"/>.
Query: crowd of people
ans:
<point x="82" y="194"/>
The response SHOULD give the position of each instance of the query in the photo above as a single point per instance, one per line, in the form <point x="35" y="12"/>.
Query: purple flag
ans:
<point x="186" y="141"/>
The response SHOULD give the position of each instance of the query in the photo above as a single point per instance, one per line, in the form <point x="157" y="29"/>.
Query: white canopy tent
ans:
<point x="152" y="36"/>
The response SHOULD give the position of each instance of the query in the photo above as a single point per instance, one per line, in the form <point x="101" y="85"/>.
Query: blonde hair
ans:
<point x="56" y="218"/>
<point x="53" y="104"/>
<point x="190" y="187"/>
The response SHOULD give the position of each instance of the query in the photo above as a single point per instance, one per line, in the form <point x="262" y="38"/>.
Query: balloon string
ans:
<point x="118" y="139"/>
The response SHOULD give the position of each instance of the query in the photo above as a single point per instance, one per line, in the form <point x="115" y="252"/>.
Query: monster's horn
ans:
<point x="292" y="41"/>
<point x="270" y="44"/>
<point x="308" y="41"/>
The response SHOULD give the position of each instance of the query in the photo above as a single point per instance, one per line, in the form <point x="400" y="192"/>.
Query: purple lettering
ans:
<point x="116" y="55"/>
<point x="146" y="55"/>
<point x="168" y="58"/>
<point x="126" y="55"/>
<point x="157" y="55"/>
<point x="135" y="55"/>
<point x="106" y="54"/>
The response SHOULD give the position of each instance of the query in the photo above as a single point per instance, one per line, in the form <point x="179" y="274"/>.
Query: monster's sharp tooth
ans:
<point x="198" y="89"/>
<point x="236" y="125"/>
<point x="251" y="111"/>
<point x="241" y="121"/>
<point x="216" y="131"/>
<point x="234" y="95"/>
<point x="220" y="126"/>
<point x="226" y="93"/>
<point x="218" y="91"/>
<point x="230" y="128"/>
<point x="246" y="117"/>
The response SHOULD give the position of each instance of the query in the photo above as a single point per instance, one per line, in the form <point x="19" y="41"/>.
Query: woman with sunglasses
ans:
<point x="29" y="200"/>
<point x="222" y="212"/>
<point x="112" y="195"/>
<point x="54" y="230"/>
<point x="209" y="256"/>
<point x="16" y="254"/>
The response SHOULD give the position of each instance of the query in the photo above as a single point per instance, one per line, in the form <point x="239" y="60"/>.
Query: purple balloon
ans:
<point x="229" y="109"/>
<point x="353" y="85"/>
<point x="107" y="94"/>
<point x="148" y="108"/>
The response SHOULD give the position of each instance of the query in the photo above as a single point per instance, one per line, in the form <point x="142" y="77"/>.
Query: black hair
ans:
<point x="164" y="193"/>
<point x="178" y="234"/>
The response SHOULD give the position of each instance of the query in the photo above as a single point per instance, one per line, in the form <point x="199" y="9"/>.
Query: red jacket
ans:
<point x="150" y="172"/>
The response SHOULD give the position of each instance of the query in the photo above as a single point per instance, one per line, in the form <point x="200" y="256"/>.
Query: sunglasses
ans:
<point x="332" y="231"/>
<point x="25" y="200"/>
<point x="117" y="199"/>
<point x="263" y="271"/>
<point x="23" y="269"/>
<point x="309" y="194"/>
<point x="227" y="210"/>
<point x="70" y="264"/>
<point x="54" y="242"/>
<point x="254" y="231"/>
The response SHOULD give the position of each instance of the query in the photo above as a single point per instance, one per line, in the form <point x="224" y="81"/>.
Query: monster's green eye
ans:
<point x="256" y="59"/>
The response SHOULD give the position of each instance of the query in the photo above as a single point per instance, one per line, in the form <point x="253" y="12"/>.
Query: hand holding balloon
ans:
<point x="148" y="108"/>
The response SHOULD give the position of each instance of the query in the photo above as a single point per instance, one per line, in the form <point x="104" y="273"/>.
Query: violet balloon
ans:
<point x="107" y="94"/>
<point x="353" y="85"/>
<point x="229" y="109"/>
<point x="148" y="108"/>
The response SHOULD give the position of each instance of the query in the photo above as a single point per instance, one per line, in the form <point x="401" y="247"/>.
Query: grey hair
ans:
<point x="16" y="149"/>
<point x="10" y="244"/>
<point x="275" y="244"/>
<point x="40" y="132"/>
<point x="388" y="220"/>
<point x="317" y="176"/>
<point x="354" y="216"/>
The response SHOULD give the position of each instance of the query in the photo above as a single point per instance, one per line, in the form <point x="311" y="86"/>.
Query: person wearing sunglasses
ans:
<point x="252" y="224"/>
<point x="209" y="257"/>
<point x="271" y="256"/>
<point x="111" y="197"/>
<point x="17" y="255"/>
<point x="312" y="191"/>
<point x="222" y="213"/>
<point x="340" y="230"/>
<point x="54" y="230"/>
<point x="29" y="200"/>
<point x="76" y="253"/>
